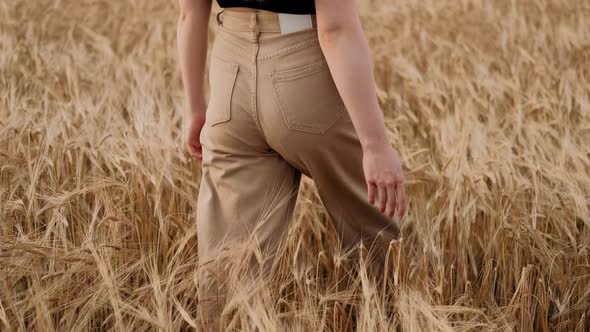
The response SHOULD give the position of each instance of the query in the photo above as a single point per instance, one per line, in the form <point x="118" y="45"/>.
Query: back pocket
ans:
<point x="308" y="97"/>
<point x="222" y="79"/>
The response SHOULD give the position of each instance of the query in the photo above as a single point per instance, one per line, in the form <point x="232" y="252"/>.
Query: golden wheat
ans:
<point x="488" y="103"/>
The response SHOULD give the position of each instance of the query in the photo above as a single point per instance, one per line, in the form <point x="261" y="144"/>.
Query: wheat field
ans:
<point x="488" y="103"/>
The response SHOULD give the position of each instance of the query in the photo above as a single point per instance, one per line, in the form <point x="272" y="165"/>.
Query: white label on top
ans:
<point x="293" y="23"/>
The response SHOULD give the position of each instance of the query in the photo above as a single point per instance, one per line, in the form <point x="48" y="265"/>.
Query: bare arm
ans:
<point x="347" y="52"/>
<point x="191" y="37"/>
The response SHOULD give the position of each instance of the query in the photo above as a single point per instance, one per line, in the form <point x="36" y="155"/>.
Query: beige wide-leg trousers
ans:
<point x="274" y="113"/>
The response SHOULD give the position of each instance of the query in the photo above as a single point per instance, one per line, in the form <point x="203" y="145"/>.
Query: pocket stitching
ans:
<point x="296" y="73"/>
<point x="229" y="95"/>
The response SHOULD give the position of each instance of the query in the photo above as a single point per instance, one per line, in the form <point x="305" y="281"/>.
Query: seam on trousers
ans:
<point x="254" y="94"/>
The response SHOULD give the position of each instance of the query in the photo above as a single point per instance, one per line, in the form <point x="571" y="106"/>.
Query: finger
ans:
<point x="391" y="200"/>
<point x="199" y="154"/>
<point x="194" y="151"/>
<point x="401" y="200"/>
<point x="382" y="197"/>
<point x="371" y="188"/>
<point x="195" y="144"/>
<point x="195" y="154"/>
<point x="196" y="148"/>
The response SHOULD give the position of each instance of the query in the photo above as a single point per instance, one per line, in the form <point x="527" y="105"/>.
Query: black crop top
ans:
<point x="279" y="6"/>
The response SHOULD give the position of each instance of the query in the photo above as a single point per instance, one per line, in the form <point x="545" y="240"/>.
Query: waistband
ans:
<point x="252" y="20"/>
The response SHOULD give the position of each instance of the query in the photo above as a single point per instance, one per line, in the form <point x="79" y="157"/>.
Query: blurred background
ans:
<point x="488" y="103"/>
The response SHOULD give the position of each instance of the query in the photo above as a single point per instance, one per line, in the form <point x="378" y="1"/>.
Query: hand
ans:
<point x="384" y="176"/>
<point x="197" y="120"/>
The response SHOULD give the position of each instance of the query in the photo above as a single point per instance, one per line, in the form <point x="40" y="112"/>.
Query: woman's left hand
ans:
<point x="385" y="178"/>
<point x="197" y="120"/>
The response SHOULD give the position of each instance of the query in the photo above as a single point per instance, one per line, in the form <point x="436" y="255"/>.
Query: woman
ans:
<point x="291" y="93"/>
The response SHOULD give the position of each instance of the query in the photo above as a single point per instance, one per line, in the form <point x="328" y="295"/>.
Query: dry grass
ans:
<point x="488" y="103"/>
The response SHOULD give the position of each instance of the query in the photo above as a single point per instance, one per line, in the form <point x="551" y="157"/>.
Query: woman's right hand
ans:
<point x="385" y="178"/>
<point x="197" y="121"/>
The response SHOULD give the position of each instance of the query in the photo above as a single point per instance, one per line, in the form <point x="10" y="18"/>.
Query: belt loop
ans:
<point x="218" y="19"/>
<point x="252" y="21"/>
